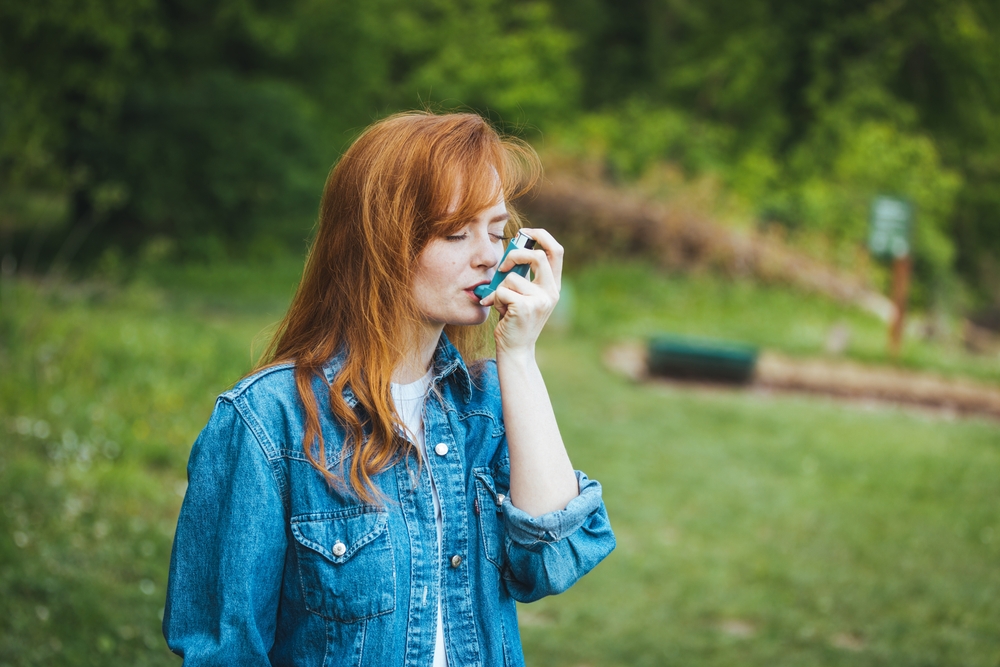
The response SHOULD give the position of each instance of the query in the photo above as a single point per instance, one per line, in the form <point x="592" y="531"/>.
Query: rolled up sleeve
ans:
<point x="229" y="550"/>
<point x="547" y="554"/>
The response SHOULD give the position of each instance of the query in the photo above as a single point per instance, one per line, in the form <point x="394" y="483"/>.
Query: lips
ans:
<point x="471" y="291"/>
<point x="473" y="288"/>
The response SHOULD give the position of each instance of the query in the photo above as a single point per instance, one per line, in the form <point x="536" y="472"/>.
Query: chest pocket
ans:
<point x="490" y="516"/>
<point x="345" y="563"/>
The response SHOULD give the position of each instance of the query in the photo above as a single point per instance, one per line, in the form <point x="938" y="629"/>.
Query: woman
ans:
<point x="380" y="493"/>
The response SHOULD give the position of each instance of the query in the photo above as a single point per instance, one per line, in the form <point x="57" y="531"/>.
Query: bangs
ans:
<point x="477" y="176"/>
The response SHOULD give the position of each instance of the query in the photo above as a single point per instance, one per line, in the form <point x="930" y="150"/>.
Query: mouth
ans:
<point x="471" y="291"/>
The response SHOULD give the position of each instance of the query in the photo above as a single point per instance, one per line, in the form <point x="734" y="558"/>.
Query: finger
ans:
<point x="521" y="285"/>
<point x="507" y="297"/>
<point x="512" y="282"/>
<point x="539" y="264"/>
<point x="515" y="257"/>
<point x="545" y="240"/>
<point x="553" y="250"/>
<point x="534" y="258"/>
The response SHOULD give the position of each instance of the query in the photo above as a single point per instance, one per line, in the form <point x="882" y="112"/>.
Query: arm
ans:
<point x="541" y="475"/>
<point x="556" y="523"/>
<point x="548" y="554"/>
<point x="229" y="550"/>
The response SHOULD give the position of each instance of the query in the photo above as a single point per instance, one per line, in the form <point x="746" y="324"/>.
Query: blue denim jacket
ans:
<point x="271" y="565"/>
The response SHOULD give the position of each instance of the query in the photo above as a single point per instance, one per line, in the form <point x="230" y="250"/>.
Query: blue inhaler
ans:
<point x="520" y="242"/>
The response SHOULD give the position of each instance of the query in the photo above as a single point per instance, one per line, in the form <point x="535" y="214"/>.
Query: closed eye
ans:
<point x="497" y="238"/>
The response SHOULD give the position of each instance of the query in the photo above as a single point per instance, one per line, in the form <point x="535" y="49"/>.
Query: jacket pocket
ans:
<point x="488" y="507"/>
<point x="345" y="562"/>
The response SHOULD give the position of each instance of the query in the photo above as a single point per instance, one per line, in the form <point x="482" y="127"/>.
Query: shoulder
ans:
<point x="270" y="391"/>
<point x="267" y="381"/>
<point x="268" y="402"/>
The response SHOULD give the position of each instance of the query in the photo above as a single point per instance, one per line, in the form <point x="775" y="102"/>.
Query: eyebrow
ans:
<point x="500" y="218"/>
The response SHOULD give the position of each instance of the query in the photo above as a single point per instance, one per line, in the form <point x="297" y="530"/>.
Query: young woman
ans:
<point x="380" y="492"/>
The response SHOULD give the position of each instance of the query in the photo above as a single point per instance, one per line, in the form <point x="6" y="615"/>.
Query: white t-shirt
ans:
<point x="409" y="400"/>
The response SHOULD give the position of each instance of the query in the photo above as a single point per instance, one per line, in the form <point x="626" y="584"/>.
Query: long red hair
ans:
<point x="407" y="179"/>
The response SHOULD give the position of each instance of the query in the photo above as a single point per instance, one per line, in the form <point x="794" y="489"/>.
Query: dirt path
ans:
<point x="843" y="379"/>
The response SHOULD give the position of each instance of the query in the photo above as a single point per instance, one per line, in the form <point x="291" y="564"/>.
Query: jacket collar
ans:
<point x="447" y="362"/>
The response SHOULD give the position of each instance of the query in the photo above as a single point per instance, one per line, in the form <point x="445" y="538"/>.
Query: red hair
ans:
<point x="407" y="179"/>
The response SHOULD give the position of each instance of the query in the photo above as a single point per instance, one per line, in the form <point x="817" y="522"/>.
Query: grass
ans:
<point x="763" y="531"/>
<point x="751" y="530"/>
<point x="103" y="391"/>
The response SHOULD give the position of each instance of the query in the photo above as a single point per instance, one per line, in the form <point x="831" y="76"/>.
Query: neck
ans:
<point x="423" y="340"/>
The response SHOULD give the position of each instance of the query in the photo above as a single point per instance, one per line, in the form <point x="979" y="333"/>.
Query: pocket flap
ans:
<point x="352" y="528"/>
<point x="486" y="484"/>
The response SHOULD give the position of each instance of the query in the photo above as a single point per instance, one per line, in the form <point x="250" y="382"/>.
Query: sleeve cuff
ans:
<point x="526" y="530"/>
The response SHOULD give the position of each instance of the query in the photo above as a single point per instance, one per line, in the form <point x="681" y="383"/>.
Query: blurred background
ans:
<point x="711" y="168"/>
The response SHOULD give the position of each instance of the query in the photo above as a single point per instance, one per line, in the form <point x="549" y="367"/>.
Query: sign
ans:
<point x="890" y="227"/>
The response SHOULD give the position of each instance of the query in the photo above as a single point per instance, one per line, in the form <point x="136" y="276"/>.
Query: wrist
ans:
<point x="524" y="355"/>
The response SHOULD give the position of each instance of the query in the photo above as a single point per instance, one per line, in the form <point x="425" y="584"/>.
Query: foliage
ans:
<point x="203" y="123"/>
<point x="811" y="107"/>
<point x="633" y="138"/>
<point x="153" y="118"/>
<point x="211" y="124"/>
<point x="847" y="160"/>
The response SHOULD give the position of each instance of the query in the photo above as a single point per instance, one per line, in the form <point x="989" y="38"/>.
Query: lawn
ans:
<point x="752" y="530"/>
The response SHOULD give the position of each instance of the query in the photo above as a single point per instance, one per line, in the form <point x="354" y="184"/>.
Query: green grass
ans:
<point x="752" y="530"/>
<point x="798" y="522"/>
<point x="102" y="393"/>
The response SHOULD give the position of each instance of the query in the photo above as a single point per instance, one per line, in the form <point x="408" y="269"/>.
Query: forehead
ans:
<point x="494" y="214"/>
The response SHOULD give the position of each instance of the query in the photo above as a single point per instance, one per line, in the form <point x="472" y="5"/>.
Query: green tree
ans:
<point x="794" y="81"/>
<point x="216" y="122"/>
<point x="149" y="118"/>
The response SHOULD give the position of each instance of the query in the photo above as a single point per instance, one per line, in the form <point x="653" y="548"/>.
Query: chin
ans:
<point x="480" y="315"/>
<point x="472" y="322"/>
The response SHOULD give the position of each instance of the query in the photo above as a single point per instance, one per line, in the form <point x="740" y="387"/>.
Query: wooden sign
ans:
<point x="890" y="233"/>
<point x="890" y="227"/>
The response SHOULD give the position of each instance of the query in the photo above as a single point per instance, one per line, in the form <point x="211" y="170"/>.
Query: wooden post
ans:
<point x="901" y="267"/>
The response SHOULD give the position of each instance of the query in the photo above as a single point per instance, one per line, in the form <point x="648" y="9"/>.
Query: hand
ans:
<point x="524" y="305"/>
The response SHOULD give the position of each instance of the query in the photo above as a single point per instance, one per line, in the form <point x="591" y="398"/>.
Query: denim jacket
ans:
<point x="272" y="565"/>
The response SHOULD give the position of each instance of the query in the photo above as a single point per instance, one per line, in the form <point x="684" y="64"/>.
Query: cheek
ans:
<point x="434" y="278"/>
<point x="438" y="268"/>
<point x="439" y="273"/>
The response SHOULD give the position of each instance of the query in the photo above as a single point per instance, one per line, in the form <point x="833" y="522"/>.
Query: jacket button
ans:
<point x="339" y="549"/>
<point x="456" y="561"/>
<point x="440" y="449"/>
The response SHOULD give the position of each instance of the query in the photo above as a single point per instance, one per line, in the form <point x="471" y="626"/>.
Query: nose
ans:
<point x="487" y="253"/>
